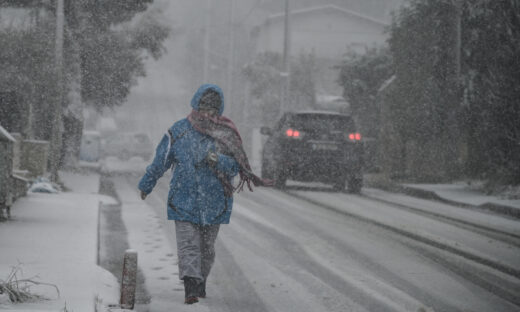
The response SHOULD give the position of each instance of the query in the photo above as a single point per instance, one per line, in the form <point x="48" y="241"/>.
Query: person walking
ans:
<point x="205" y="152"/>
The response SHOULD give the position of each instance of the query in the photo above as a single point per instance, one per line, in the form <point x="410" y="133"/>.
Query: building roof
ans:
<point x="326" y="8"/>
<point x="327" y="98"/>
<point x="318" y="111"/>
<point x="5" y="136"/>
<point x="19" y="3"/>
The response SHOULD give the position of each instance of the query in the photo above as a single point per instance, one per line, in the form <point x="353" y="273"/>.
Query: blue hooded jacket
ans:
<point x="196" y="195"/>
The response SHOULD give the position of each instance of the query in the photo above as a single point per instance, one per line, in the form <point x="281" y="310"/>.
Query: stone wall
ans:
<point x="17" y="149"/>
<point x="6" y="167"/>
<point x="34" y="157"/>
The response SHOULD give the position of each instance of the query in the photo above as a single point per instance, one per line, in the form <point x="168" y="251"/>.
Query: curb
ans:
<point x="500" y="209"/>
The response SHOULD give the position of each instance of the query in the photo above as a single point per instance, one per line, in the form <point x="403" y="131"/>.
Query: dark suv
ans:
<point x="314" y="146"/>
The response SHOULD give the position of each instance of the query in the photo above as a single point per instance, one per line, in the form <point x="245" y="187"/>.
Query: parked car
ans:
<point x="125" y="145"/>
<point x="314" y="146"/>
<point x="90" y="146"/>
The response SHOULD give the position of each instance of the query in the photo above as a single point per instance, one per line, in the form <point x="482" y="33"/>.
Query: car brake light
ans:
<point x="354" y="136"/>
<point x="292" y="133"/>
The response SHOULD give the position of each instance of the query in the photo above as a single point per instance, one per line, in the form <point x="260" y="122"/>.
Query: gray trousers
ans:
<point x="195" y="249"/>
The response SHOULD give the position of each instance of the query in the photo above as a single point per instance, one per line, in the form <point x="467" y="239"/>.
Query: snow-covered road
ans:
<point x="322" y="251"/>
<point x="502" y="255"/>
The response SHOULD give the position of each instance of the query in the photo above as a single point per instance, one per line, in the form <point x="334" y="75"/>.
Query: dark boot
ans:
<point x="190" y="290"/>
<point x="202" y="289"/>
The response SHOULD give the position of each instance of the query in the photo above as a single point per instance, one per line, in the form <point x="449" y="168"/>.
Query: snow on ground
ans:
<point x="481" y="218"/>
<point x="54" y="239"/>
<point x="457" y="192"/>
<point x="454" y="237"/>
<point x="364" y="282"/>
<point x="462" y="193"/>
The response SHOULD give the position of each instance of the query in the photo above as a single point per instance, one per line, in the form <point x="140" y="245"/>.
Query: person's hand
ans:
<point x="143" y="195"/>
<point x="212" y="158"/>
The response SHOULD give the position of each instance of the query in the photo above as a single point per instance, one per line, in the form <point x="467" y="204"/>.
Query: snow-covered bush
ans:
<point x="15" y="289"/>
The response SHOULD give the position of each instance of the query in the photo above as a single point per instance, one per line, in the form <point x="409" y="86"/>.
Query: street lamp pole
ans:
<point x="56" y="140"/>
<point x="286" y="66"/>
<point x="458" y="39"/>
<point x="231" y="54"/>
<point x="206" y="42"/>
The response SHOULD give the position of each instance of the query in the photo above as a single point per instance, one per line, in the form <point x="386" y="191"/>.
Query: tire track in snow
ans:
<point x="453" y="248"/>
<point x="509" y="237"/>
<point x="398" y="292"/>
<point x="485" y="285"/>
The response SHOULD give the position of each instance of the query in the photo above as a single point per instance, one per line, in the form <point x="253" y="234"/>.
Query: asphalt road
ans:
<point x="314" y="250"/>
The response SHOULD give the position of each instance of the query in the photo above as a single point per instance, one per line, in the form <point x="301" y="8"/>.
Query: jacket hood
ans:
<point x="196" y="97"/>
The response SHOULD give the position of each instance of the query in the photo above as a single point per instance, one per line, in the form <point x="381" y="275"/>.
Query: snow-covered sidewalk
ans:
<point x="153" y="237"/>
<point x="54" y="239"/>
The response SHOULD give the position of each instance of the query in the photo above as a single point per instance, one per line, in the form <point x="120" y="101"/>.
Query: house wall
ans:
<point x="326" y="33"/>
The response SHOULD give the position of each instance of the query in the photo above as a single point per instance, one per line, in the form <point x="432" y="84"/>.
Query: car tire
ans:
<point x="340" y="185"/>
<point x="354" y="185"/>
<point x="280" y="178"/>
<point x="266" y="174"/>
<point x="280" y="181"/>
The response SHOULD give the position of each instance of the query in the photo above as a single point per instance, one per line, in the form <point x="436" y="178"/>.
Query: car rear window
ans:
<point x="319" y="122"/>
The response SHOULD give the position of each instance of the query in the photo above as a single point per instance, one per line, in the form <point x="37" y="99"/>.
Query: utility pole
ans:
<point x="29" y="128"/>
<point x="57" y="121"/>
<point x="458" y="40"/>
<point x="454" y="131"/>
<point x="457" y="5"/>
<point x="231" y="54"/>
<point x="286" y="65"/>
<point x="206" y="42"/>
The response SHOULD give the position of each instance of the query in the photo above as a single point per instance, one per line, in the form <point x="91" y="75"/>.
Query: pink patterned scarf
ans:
<point x="224" y="131"/>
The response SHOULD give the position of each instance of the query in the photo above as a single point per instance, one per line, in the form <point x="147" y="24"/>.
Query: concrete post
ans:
<point x="34" y="156"/>
<point x="128" y="283"/>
